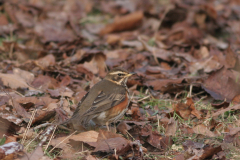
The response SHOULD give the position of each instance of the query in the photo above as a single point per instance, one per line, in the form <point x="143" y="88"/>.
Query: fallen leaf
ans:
<point x="89" y="136"/>
<point x="171" y="127"/>
<point x="236" y="100"/>
<point x="90" y="157"/>
<point x="235" y="107"/>
<point x="8" y="115"/>
<point x="9" y="128"/>
<point x="45" y="82"/>
<point x="124" y="23"/>
<point x="37" y="153"/>
<point x="220" y="105"/>
<point x="194" y="111"/>
<point x="48" y="31"/>
<point x="210" y="151"/>
<point x="27" y="76"/>
<point x="10" y="150"/>
<point x="123" y="127"/>
<point x="135" y="113"/>
<point x="222" y="84"/>
<point x="207" y="65"/>
<point x="108" y="141"/>
<point x="203" y="130"/>
<point x="231" y="58"/>
<point x="212" y="40"/>
<point x="179" y="157"/>
<point x="97" y="64"/>
<point x="46" y="61"/>
<point x="14" y="81"/>
<point x="161" y="84"/>
<point x="234" y="131"/>
<point x="183" y="110"/>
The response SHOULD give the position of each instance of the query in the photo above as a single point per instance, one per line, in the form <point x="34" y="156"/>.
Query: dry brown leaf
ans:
<point x="74" y="143"/>
<point x="179" y="157"/>
<point x="235" y="107"/>
<point x="223" y="84"/>
<point x="49" y="31"/>
<point x="220" y="105"/>
<point x="108" y="141"/>
<point x="113" y="39"/>
<point x="8" y="115"/>
<point x="97" y="64"/>
<point x="14" y="81"/>
<point x="171" y="127"/>
<point x="90" y="157"/>
<point x="182" y="109"/>
<point x="46" y="61"/>
<point x="135" y="113"/>
<point x="194" y="111"/>
<point x="45" y="82"/>
<point x="208" y="65"/>
<point x="161" y="84"/>
<point x="124" y="23"/>
<point x="63" y="91"/>
<point x="203" y="130"/>
<point x="210" y="151"/>
<point x="76" y="57"/>
<point x="123" y="127"/>
<point x="212" y="40"/>
<point x="234" y="131"/>
<point x="231" y="58"/>
<point x="10" y="150"/>
<point x="236" y="100"/>
<point x="89" y="136"/>
<point x="37" y="153"/>
<point x="27" y="76"/>
<point x="37" y="101"/>
<point x="8" y="128"/>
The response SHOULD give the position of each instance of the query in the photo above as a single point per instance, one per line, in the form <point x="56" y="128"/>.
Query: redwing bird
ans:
<point x="106" y="102"/>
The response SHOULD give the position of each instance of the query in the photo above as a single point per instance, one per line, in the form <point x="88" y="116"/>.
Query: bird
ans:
<point x="106" y="102"/>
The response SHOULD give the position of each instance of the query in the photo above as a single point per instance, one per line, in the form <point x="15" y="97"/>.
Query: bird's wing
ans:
<point x="105" y="101"/>
<point x="101" y="103"/>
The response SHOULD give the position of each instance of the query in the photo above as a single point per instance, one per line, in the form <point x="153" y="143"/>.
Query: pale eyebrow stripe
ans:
<point x="118" y="72"/>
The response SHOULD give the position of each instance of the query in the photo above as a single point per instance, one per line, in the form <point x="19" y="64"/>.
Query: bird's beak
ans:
<point x="130" y="74"/>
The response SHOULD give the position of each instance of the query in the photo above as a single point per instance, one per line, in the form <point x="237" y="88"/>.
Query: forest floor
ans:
<point x="185" y="97"/>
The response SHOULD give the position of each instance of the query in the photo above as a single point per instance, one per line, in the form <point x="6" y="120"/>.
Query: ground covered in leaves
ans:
<point x="185" y="98"/>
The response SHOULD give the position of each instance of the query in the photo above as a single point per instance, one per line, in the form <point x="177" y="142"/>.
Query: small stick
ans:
<point x="33" y="140"/>
<point x="62" y="141"/>
<point x="190" y="92"/>
<point x="50" y="139"/>
<point x="28" y="126"/>
<point x="144" y="98"/>
<point x="130" y="135"/>
<point x="42" y="125"/>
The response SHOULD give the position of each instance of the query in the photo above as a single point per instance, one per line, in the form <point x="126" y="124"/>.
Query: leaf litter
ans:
<point x="184" y="98"/>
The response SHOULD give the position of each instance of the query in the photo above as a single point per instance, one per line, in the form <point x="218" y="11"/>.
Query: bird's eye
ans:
<point x="119" y="74"/>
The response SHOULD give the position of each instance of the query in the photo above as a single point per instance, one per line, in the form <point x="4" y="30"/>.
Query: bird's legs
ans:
<point x="115" y="128"/>
<point x="107" y="123"/>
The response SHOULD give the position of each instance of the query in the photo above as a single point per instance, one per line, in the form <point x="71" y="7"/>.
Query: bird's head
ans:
<point x="118" y="75"/>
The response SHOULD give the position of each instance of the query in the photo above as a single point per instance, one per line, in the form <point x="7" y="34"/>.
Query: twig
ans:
<point x="11" y="51"/>
<point x="130" y="135"/>
<point x="45" y="135"/>
<point x="28" y="126"/>
<point x="42" y="125"/>
<point x="163" y="16"/>
<point x="26" y="147"/>
<point x="62" y="141"/>
<point x="190" y="91"/>
<point x="144" y="98"/>
<point x="50" y="139"/>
